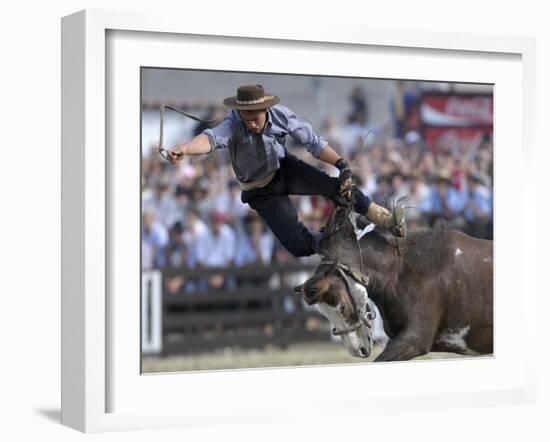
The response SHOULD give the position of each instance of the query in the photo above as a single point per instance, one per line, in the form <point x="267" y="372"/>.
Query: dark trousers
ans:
<point x="294" y="177"/>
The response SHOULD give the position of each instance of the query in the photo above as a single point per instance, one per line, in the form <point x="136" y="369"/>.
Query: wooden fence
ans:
<point x="260" y="309"/>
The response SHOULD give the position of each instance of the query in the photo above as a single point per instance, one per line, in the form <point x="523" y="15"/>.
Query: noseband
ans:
<point x="346" y="272"/>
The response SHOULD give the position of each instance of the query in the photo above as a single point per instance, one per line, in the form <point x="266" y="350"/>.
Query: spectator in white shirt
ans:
<point x="216" y="247"/>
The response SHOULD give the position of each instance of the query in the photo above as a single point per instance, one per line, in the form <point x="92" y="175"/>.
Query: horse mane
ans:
<point x="339" y="224"/>
<point x="340" y="236"/>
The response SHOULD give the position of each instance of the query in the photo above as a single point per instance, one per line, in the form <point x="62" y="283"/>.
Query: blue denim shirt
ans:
<point x="255" y="156"/>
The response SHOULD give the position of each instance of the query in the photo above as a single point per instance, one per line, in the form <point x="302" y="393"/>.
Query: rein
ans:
<point x="347" y="272"/>
<point x="350" y="212"/>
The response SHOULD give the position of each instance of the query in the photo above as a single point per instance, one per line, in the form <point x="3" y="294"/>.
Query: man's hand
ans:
<point x="175" y="154"/>
<point x="199" y="145"/>
<point x="345" y="180"/>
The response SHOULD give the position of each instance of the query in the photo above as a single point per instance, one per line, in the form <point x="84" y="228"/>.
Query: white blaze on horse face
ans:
<point x="356" y="342"/>
<point x="333" y="315"/>
<point x="336" y="319"/>
<point x="361" y="301"/>
<point x="458" y="252"/>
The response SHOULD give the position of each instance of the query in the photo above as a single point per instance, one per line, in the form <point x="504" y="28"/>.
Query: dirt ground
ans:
<point x="295" y="355"/>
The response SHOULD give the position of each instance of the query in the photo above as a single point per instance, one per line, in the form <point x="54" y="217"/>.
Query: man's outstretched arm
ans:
<point x="199" y="145"/>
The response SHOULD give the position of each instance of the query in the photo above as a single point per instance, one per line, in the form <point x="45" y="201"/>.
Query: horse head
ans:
<point x="342" y="298"/>
<point x="338" y="286"/>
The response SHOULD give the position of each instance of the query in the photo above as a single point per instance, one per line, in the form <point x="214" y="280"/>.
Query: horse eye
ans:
<point x="342" y="308"/>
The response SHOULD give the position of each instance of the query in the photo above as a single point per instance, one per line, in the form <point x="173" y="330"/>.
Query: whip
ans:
<point x="160" y="148"/>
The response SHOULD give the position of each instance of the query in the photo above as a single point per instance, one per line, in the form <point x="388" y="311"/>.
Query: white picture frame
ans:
<point x="90" y="363"/>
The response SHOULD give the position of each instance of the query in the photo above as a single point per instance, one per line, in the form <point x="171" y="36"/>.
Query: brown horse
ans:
<point x="434" y="290"/>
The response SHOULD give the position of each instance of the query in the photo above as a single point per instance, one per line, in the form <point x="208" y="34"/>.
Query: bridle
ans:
<point x="345" y="271"/>
<point x="364" y="320"/>
<point x="359" y="276"/>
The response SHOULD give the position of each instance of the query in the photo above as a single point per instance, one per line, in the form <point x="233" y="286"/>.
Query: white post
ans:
<point x="151" y="312"/>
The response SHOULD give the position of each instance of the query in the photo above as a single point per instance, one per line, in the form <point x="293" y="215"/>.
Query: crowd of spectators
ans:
<point x="192" y="215"/>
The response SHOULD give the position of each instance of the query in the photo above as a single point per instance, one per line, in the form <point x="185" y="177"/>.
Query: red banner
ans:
<point x="454" y="135"/>
<point x="451" y="118"/>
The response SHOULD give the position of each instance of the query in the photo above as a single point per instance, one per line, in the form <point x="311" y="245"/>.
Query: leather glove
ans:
<point x="345" y="180"/>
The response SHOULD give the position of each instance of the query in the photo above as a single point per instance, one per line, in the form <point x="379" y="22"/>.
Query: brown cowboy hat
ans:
<point x="251" y="97"/>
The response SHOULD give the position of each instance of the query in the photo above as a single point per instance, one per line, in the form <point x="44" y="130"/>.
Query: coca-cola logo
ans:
<point x="478" y="107"/>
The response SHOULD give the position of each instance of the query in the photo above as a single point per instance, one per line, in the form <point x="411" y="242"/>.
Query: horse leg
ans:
<point x="405" y="346"/>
